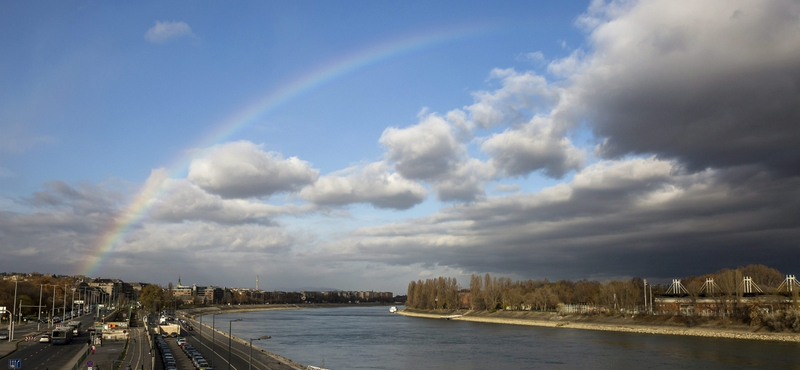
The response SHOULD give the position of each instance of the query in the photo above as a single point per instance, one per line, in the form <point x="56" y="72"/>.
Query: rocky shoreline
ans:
<point x="621" y="325"/>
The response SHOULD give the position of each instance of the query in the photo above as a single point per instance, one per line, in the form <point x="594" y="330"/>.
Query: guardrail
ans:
<point x="122" y="355"/>
<point x="80" y="360"/>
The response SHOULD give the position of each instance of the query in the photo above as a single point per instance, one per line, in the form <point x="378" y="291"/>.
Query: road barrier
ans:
<point x="79" y="363"/>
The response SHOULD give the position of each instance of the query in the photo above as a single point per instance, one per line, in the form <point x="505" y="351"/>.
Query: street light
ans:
<point x="250" y="366"/>
<point x="53" y="313"/>
<point x="13" y="313"/>
<point x="39" y="318"/>
<point x="230" y="334"/>
<point x="64" y="313"/>
<point x="213" y="329"/>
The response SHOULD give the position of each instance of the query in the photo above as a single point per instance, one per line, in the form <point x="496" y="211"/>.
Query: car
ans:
<point x="44" y="338"/>
<point x="3" y="335"/>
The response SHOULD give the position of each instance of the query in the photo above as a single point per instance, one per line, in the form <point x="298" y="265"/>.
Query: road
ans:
<point x="239" y="355"/>
<point x="138" y="355"/>
<point x="41" y="356"/>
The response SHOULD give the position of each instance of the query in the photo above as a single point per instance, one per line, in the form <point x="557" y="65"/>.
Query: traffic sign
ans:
<point x="89" y="363"/>
<point x="15" y="364"/>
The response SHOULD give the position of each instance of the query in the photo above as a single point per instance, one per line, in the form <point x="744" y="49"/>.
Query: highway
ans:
<point x="239" y="354"/>
<point x="42" y="356"/>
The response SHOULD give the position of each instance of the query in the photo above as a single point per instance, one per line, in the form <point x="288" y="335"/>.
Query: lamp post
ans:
<point x="72" y="306"/>
<point x="64" y="313"/>
<point x="39" y="318"/>
<point x="13" y="313"/>
<point x="230" y="334"/>
<point x="213" y="329"/>
<point x="250" y="365"/>
<point x="53" y="313"/>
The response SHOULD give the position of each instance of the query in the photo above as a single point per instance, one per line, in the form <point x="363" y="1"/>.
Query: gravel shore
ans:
<point x="556" y="321"/>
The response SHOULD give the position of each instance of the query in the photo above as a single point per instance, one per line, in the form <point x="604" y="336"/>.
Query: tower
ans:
<point x="256" y="282"/>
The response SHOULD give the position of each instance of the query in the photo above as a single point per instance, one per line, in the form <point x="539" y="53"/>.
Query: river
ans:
<point x="371" y="338"/>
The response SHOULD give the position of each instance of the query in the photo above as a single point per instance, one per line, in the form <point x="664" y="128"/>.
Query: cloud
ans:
<point x="164" y="32"/>
<point x="536" y="57"/>
<point x="16" y="139"/>
<point x="241" y="170"/>
<point x="84" y="199"/>
<point x="711" y="83"/>
<point x="641" y="216"/>
<point x="372" y="184"/>
<point x="182" y="200"/>
<point x="206" y="236"/>
<point x="521" y="94"/>
<point x="531" y="147"/>
<point x="58" y="226"/>
<point x="506" y="189"/>
<point x="466" y="182"/>
<point x="425" y="151"/>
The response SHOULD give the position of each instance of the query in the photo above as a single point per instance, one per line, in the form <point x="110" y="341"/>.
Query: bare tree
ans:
<point x="476" y="293"/>
<point x="491" y="292"/>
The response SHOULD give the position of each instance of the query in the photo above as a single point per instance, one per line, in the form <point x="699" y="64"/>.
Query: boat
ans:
<point x="393" y="309"/>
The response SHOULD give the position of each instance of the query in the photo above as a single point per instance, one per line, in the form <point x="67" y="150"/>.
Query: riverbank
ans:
<point x="605" y="323"/>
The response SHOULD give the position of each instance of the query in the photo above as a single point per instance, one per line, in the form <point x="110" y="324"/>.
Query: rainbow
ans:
<point x="143" y="202"/>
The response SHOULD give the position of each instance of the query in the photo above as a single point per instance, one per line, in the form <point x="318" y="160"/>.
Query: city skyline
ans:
<point x="365" y="145"/>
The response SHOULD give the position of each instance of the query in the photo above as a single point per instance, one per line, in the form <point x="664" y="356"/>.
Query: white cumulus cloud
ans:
<point x="241" y="170"/>
<point x="163" y="32"/>
<point x="425" y="151"/>
<point x="372" y="184"/>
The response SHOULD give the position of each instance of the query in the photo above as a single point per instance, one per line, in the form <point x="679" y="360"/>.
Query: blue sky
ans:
<point x="557" y="139"/>
<point x="105" y="83"/>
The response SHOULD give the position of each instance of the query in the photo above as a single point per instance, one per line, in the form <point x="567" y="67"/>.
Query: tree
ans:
<point x="491" y="292"/>
<point x="476" y="293"/>
<point x="151" y="297"/>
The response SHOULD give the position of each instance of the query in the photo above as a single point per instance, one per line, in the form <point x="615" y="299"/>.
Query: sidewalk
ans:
<point x="7" y="348"/>
<point x="103" y="358"/>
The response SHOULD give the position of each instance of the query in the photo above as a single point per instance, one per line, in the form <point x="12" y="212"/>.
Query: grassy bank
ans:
<point x="664" y="325"/>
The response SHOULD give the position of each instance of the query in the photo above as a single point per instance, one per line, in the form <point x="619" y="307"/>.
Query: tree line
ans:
<point x="52" y="290"/>
<point x="492" y="293"/>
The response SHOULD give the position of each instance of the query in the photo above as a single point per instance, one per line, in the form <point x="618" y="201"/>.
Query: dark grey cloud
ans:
<point x="83" y="199"/>
<point x="642" y="217"/>
<point x="716" y="84"/>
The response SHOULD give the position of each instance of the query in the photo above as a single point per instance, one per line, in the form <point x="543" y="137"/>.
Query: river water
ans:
<point x="371" y="338"/>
